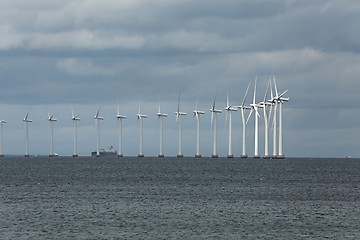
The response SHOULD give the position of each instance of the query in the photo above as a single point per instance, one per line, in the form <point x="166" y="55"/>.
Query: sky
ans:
<point x="78" y="55"/>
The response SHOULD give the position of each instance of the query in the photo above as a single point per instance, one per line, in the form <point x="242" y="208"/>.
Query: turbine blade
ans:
<point x="196" y="106"/>
<point x="254" y="98"/>
<point x="257" y="112"/>
<point x="247" y="89"/>
<point x="271" y="91"/>
<point x="249" y="116"/>
<point x="276" y="91"/>
<point x="97" y="114"/>
<point x="266" y="92"/>
<point x="178" y="109"/>
<point x="283" y="93"/>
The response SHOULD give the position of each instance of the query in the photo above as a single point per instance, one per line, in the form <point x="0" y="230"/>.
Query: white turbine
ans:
<point x="214" y="113"/>
<point x="160" y="116"/>
<point x="242" y="107"/>
<point x="2" y="122"/>
<point x="254" y="107"/>
<point x="119" y="118"/>
<point x="75" y="119"/>
<point x="140" y="118"/>
<point x="274" y="119"/>
<point x="97" y="125"/>
<point x="279" y="100"/>
<point x="179" y="115"/>
<point x="51" y="120"/>
<point x="264" y="104"/>
<point x="197" y="114"/>
<point x="26" y="121"/>
<point x="229" y="109"/>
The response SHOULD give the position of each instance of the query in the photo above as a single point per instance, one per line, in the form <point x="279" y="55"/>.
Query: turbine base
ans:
<point x="274" y="157"/>
<point x="230" y="156"/>
<point x="280" y="156"/>
<point x="119" y="155"/>
<point x="266" y="157"/>
<point x="1" y="155"/>
<point x="244" y="156"/>
<point x="140" y="155"/>
<point x="256" y="156"/>
<point x="161" y="156"/>
<point x="214" y="156"/>
<point x="26" y="155"/>
<point x="179" y="155"/>
<point x="75" y="155"/>
<point x="198" y="156"/>
<point x="51" y="155"/>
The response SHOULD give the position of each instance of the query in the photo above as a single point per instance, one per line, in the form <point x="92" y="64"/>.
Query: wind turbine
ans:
<point x="75" y="119"/>
<point x="2" y="122"/>
<point x="229" y="109"/>
<point x="242" y="107"/>
<point x="254" y="107"/>
<point x="264" y="105"/>
<point x="179" y="115"/>
<point x="120" y="117"/>
<point x="97" y="125"/>
<point x="280" y="99"/>
<point x="214" y="113"/>
<point x="160" y="116"/>
<point x="51" y="120"/>
<point x="197" y="114"/>
<point x="140" y="118"/>
<point x="26" y="121"/>
<point x="274" y="105"/>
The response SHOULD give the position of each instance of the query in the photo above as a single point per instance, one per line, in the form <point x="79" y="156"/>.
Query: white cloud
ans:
<point x="82" y="67"/>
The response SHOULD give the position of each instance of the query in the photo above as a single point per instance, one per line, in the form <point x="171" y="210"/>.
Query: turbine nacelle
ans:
<point x="215" y="110"/>
<point x="74" y="117"/>
<point x="51" y="118"/>
<point x="197" y="112"/>
<point x="141" y="116"/>
<point x="2" y="121"/>
<point x="230" y="108"/>
<point x="97" y="117"/>
<point x="26" y="118"/>
<point x="119" y="116"/>
<point x="159" y="114"/>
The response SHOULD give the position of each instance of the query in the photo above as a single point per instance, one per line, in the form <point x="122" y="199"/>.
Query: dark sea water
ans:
<point x="151" y="198"/>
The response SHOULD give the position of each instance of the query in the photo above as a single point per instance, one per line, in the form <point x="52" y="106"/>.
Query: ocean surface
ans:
<point x="171" y="198"/>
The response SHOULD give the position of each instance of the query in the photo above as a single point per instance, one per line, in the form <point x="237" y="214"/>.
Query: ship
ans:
<point x="109" y="152"/>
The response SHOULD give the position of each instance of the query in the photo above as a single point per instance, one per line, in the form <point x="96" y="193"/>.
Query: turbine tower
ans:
<point x="242" y="107"/>
<point x="140" y="118"/>
<point x="229" y="109"/>
<point x="51" y="120"/>
<point x="254" y="107"/>
<point x="197" y="114"/>
<point x="160" y="116"/>
<point x="2" y="122"/>
<point x="214" y="113"/>
<point x="26" y="121"/>
<point x="274" y="105"/>
<point x="97" y="125"/>
<point x="280" y="99"/>
<point x="264" y="104"/>
<point x="75" y="119"/>
<point x="119" y="118"/>
<point x="179" y="115"/>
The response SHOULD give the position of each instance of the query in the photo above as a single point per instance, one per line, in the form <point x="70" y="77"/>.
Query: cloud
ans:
<point x="82" y="67"/>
